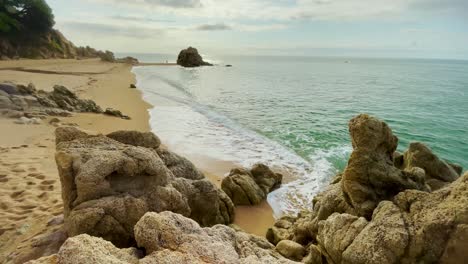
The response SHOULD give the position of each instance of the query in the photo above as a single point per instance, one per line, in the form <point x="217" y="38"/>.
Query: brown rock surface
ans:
<point x="107" y="186"/>
<point x="250" y="187"/>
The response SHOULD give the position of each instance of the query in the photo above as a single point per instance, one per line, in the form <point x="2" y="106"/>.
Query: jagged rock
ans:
<point x="169" y="235"/>
<point x="135" y="138"/>
<point x="370" y="176"/>
<point x="170" y="238"/>
<point x="115" y="112"/>
<point x="190" y="58"/>
<point x="250" y="187"/>
<point x="436" y="170"/>
<point x="291" y="250"/>
<point x="107" y="186"/>
<point x="314" y="256"/>
<point x="179" y="166"/>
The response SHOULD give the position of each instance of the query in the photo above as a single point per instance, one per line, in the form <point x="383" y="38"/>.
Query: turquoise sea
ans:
<point x="292" y="112"/>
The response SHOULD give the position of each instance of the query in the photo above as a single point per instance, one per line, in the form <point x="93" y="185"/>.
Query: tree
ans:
<point x="25" y="16"/>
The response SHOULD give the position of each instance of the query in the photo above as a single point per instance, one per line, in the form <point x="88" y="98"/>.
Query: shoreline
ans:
<point x="30" y="191"/>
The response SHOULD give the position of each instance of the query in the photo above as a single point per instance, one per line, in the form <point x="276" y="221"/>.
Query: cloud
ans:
<point x="159" y="3"/>
<point x="140" y="19"/>
<point x="105" y="30"/>
<point x="213" y="27"/>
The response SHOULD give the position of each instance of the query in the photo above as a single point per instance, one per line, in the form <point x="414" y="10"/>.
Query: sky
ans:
<point x="355" y="28"/>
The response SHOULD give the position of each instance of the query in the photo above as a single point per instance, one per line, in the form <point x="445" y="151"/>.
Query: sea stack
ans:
<point x="191" y="58"/>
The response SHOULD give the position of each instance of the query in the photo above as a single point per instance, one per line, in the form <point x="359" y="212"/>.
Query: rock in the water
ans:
<point x="107" y="186"/>
<point x="250" y="187"/>
<point x="116" y="113"/>
<point x="375" y="212"/>
<point x="420" y="156"/>
<point x="190" y="58"/>
<point x="291" y="250"/>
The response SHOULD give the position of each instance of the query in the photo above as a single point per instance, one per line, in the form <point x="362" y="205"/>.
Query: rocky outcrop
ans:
<point x="438" y="173"/>
<point x="370" y="176"/>
<point x="116" y="113"/>
<point x="191" y="58"/>
<point x="375" y="212"/>
<point x="250" y="187"/>
<point x="107" y="185"/>
<point x="25" y="101"/>
<point x="171" y="238"/>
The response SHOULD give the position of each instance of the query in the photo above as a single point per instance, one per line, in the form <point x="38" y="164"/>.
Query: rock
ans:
<point x="419" y="155"/>
<point x="8" y="113"/>
<point x="107" y="186"/>
<point x="65" y="134"/>
<point x="116" y="113"/>
<point x="456" y="167"/>
<point x="169" y="235"/>
<point x="171" y="238"/>
<point x="291" y="250"/>
<point x="135" y="138"/>
<point x="23" y="121"/>
<point x="128" y="60"/>
<point x="179" y="166"/>
<point x="250" y="187"/>
<point x="9" y="88"/>
<point x="133" y="86"/>
<point x="370" y="176"/>
<point x="228" y="65"/>
<point x="27" y="90"/>
<point x="190" y="58"/>
<point x="54" y="121"/>
<point x="314" y="256"/>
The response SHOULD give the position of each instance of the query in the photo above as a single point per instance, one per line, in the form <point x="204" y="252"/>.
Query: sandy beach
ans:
<point x="30" y="192"/>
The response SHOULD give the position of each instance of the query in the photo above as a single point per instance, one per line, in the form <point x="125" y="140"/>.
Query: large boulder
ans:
<point x="169" y="238"/>
<point x="250" y="187"/>
<point x="371" y="176"/>
<point x="437" y="172"/>
<point x="107" y="186"/>
<point x="191" y="58"/>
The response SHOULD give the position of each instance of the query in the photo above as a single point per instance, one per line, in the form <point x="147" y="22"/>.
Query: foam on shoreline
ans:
<point x="193" y="129"/>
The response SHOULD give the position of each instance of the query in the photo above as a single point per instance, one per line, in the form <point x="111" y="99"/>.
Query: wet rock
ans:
<point x="133" y="86"/>
<point x="250" y="187"/>
<point x="190" y="58"/>
<point x="291" y="250"/>
<point x="107" y="186"/>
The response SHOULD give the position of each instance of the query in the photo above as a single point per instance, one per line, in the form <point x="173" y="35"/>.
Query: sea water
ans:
<point x="293" y="112"/>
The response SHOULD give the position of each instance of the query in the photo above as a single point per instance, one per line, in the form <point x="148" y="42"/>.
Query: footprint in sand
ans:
<point x="46" y="187"/>
<point x="36" y="175"/>
<point x="28" y="207"/>
<point x="42" y="196"/>
<point x="32" y="169"/>
<point x="48" y="182"/>
<point x="16" y="194"/>
<point x="3" y="178"/>
<point x="18" y="169"/>
<point x="30" y="183"/>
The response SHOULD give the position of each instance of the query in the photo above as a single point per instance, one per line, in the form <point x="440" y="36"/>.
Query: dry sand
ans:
<point x="30" y="192"/>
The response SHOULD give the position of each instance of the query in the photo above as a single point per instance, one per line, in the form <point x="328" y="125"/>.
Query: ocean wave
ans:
<point x="191" y="128"/>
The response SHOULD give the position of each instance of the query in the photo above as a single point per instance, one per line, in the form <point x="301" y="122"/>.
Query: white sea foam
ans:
<point x="191" y="129"/>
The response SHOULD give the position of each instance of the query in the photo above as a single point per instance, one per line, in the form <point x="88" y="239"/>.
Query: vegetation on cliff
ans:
<point x="26" y="31"/>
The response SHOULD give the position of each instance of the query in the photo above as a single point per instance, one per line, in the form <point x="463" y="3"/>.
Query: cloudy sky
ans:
<point x="369" y="28"/>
